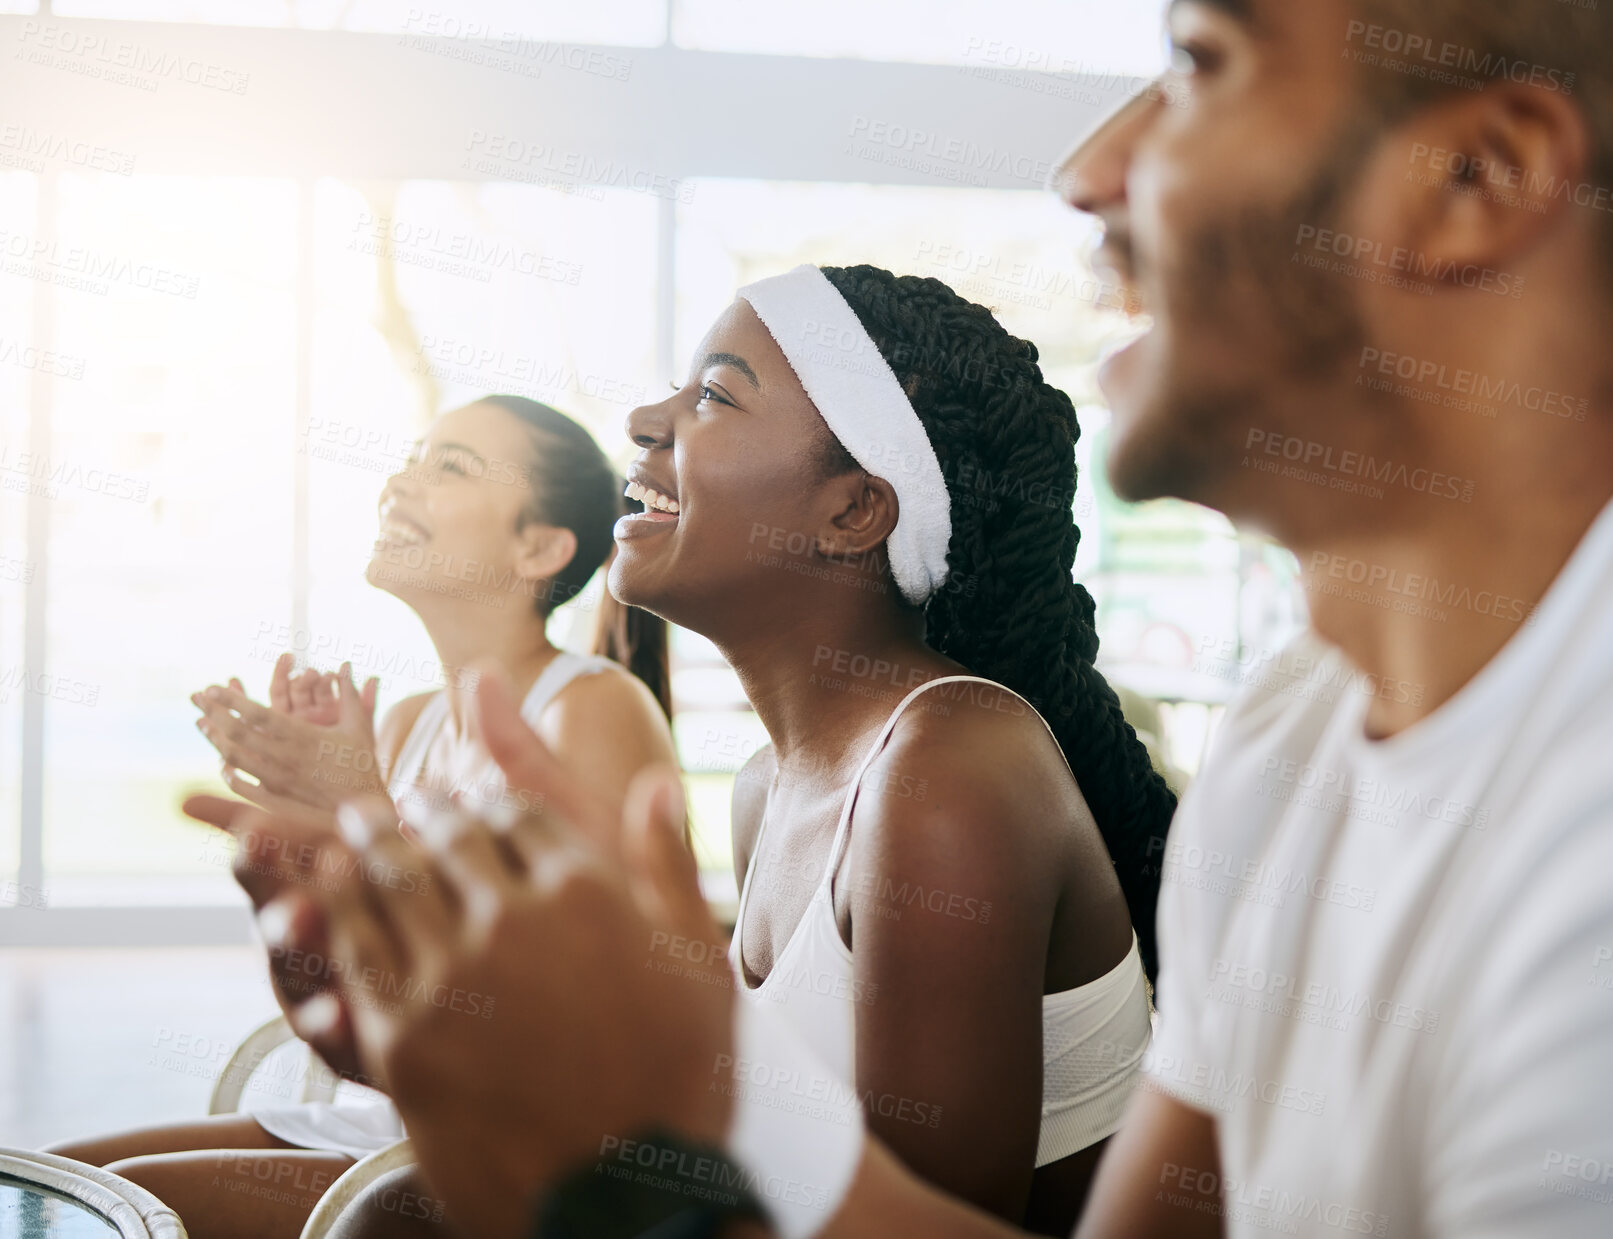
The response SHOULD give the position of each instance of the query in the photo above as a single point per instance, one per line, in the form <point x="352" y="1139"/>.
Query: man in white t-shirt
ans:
<point x="1375" y="240"/>
<point x="1386" y="997"/>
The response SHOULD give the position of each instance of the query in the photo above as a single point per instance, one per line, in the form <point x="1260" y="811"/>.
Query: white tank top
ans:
<point x="369" y="1122"/>
<point x="1093" y="1036"/>
<point x="420" y="796"/>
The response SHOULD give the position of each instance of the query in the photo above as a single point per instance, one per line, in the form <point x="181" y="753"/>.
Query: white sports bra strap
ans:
<point x="842" y="831"/>
<point x="562" y="669"/>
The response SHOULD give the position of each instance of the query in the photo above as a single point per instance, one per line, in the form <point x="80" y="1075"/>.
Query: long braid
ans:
<point x="1011" y="609"/>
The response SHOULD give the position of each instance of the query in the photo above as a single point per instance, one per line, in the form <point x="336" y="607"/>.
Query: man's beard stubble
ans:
<point x="1302" y="320"/>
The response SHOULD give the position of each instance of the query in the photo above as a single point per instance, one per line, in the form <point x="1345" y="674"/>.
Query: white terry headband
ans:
<point x="857" y="393"/>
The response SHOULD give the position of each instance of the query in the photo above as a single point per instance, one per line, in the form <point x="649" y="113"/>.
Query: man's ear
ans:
<point x="544" y="551"/>
<point x="1480" y="178"/>
<point x="864" y="513"/>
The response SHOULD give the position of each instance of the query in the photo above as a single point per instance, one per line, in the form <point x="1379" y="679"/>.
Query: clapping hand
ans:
<point x="310" y="696"/>
<point x="312" y="748"/>
<point x="511" y="988"/>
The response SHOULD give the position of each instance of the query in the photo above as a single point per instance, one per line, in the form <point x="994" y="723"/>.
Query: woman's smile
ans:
<point x="651" y="498"/>
<point x="398" y="529"/>
<point x="661" y="510"/>
<point x="641" y="524"/>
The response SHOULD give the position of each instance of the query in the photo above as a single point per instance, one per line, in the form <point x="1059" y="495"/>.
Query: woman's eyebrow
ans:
<point x="456" y="447"/>
<point x="734" y="361"/>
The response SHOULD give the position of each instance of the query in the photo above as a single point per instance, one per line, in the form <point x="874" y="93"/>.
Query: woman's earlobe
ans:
<point x="883" y="508"/>
<point x="548" y="550"/>
<point x="865" y="521"/>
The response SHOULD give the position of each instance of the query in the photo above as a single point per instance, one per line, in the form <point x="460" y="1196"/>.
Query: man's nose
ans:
<point x="1093" y="175"/>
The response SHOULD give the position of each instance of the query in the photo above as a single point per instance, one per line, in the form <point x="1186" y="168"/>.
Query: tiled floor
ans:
<point x="99" y="1040"/>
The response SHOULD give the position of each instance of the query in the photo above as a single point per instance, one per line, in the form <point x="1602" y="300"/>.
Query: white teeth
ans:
<point x="652" y="498"/>
<point x="401" y="532"/>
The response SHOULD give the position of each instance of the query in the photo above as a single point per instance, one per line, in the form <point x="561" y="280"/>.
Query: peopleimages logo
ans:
<point x="96" y="54"/>
<point x="1367" y="792"/>
<point x="42" y="684"/>
<point x="1255" y="880"/>
<point x="1318" y="677"/>
<point x="86" y="269"/>
<point x="1310" y="1000"/>
<point x="36" y="145"/>
<point x="966" y="267"/>
<point x="688" y="1174"/>
<point x="816" y="1094"/>
<point x="1308" y="454"/>
<point x="1412" y="263"/>
<point x="449" y="34"/>
<point x="453" y="252"/>
<point x="1382" y="583"/>
<point x="1468" y="390"/>
<point x="1442" y="60"/>
<point x="503" y="154"/>
<point x="1216" y="1087"/>
<point x="934" y="150"/>
<point x="42" y="360"/>
<point x="1262" y="1206"/>
<point x="1508" y="184"/>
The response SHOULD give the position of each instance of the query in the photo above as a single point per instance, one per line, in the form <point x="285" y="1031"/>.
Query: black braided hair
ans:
<point x="1011" y="610"/>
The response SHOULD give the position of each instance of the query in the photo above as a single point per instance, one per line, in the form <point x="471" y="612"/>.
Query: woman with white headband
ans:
<point x="862" y="494"/>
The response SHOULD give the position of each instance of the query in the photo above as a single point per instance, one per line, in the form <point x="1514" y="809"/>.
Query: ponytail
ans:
<point x="1011" y="610"/>
<point x="637" y="640"/>
<point x="575" y="488"/>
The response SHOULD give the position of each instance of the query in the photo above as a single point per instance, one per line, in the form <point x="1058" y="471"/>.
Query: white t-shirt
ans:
<point x="1388" y="966"/>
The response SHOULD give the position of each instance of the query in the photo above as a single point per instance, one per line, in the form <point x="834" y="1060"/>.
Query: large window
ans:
<point x="1008" y="36"/>
<point x="210" y="361"/>
<point x="19" y="357"/>
<point x="429" y="295"/>
<point x="198" y="521"/>
<point x="999" y="39"/>
<point x="170" y="494"/>
<point x="501" y="27"/>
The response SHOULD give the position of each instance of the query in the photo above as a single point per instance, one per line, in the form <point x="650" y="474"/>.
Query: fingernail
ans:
<point x="317" y="1017"/>
<point x="196" y="700"/>
<point x="355" y="828"/>
<point x="274" y="923"/>
<point x="215" y="693"/>
<point x="435" y="827"/>
<point x="502" y="817"/>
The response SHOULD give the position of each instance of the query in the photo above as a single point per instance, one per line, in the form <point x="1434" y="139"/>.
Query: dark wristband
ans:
<point x="656" y="1185"/>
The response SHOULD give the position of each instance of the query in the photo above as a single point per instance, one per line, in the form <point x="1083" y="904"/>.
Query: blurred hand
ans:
<point x="291" y="867"/>
<point x="310" y="696"/>
<point x="517" y="991"/>
<point x="291" y="759"/>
